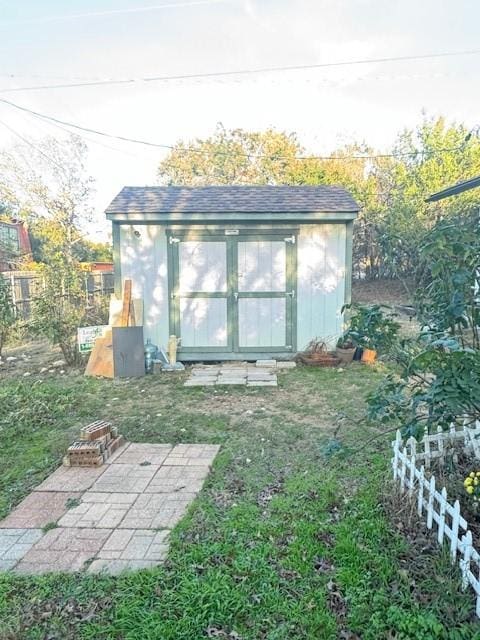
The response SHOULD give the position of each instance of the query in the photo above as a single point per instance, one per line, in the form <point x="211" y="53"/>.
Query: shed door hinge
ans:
<point x="290" y="239"/>
<point x="173" y="240"/>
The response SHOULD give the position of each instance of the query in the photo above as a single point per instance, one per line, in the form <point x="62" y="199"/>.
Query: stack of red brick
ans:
<point x="96" y="444"/>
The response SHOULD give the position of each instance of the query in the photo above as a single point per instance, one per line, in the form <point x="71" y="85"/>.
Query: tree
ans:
<point x="448" y="292"/>
<point x="47" y="184"/>
<point x="7" y="311"/>
<point x="430" y="157"/>
<point x="235" y="157"/>
<point x="61" y="307"/>
<point x="391" y="191"/>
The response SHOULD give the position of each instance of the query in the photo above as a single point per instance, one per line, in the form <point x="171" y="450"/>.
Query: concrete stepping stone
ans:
<point x="70" y="479"/>
<point x="200" y="381"/>
<point x="39" y="509"/>
<point x="141" y="452"/>
<point x="15" y="543"/>
<point x="252" y="377"/>
<point x="157" y="510"/>
<point x="262" y="383"/>
<point x="135" y="545"/>
<point x="60" y="549"/>
<point x="181" y="478"/>
<point x="99" y="510"/>
<point x="125" y="478"/>
<point x="231" y="381"/>
<point x="188" y="455"/>
<point x="266" y="363"/>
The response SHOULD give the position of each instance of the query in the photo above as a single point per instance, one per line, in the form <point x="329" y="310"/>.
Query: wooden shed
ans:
<point x="236" y="272"/>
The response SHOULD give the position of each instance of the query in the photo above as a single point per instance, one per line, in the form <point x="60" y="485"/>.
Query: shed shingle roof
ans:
<point x="232" y="199"/>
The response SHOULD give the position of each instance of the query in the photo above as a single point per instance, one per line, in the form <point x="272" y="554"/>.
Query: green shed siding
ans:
<point x="320" y="282"/>
<point x="320" y="273"/>
<point x="143" y="258"/>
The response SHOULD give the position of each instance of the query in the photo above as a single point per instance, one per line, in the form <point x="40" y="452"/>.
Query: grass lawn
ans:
<point x="293" y="537"/>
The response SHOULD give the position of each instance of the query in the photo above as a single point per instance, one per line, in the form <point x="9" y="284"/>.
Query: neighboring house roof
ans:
<point x="460" y="187"/>
<point x="180" y="202"/>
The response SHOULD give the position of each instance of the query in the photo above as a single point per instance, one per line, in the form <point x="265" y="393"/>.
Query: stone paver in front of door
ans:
<point x="231" y="373"/>
<point x="108" y="519"/>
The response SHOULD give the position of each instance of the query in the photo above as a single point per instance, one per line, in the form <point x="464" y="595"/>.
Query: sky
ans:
<point x="52" y="42"/>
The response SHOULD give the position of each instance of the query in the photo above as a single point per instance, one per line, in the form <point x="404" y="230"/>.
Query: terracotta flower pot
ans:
<point x="345" y="355"/>
<point x="369" y="356"/>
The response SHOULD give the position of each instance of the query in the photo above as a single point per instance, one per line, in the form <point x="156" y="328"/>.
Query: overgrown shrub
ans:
<point x="371" y="328"/>
<point x="438" y="383"/>
<point x="448" y="292"/>
<point x="63" y="306"/>
<point x="7" y="311"/>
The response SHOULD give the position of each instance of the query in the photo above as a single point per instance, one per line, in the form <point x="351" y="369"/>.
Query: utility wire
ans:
<point x="273" y="156"/>
<point x="30" y="144"/>
<point x="247" y="71"/>
<point x="96" y="14"/>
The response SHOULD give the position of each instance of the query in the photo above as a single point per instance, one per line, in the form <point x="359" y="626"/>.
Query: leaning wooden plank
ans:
<point x="100" y="362"/>
<point x="127" y="301"/>
<point x="115" y="312"/>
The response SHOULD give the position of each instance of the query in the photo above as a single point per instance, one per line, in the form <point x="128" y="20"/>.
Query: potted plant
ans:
<point x="372" y="330"/>
<point x="317" y="354"/>
<point x="345" y="349"/>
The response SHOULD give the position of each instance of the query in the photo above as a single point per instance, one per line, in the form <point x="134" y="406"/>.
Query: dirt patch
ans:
<point x="32" y="358"/>
<point x="389" y="292"/>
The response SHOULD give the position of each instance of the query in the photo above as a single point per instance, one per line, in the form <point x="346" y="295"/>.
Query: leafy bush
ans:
<point x="438" y="384"/>
<point x="371" y="328"/>
<point x="7" y="311"/>
<point x="448" y="293"/>
<point x="61" y="308"/>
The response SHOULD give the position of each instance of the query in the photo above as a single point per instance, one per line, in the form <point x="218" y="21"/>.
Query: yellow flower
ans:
<point x="467" y="481"/>
<point x="472" y="475"/>
<point x="469" y="489"/>
<point x="475" y="481"/>
<point x="478" y="473"/>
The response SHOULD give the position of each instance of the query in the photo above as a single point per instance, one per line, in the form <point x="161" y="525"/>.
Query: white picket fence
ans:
<point x="433" y="505"/>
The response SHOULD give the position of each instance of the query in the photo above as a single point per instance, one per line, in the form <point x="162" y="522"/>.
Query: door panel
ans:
<point x="203" y="322"/>
<point x="262" y="322"/>
<point x="202" y="266"/>
<point x="261" y="266"/>
<point x="200" y="296"/>
<point x="233" y="294"/>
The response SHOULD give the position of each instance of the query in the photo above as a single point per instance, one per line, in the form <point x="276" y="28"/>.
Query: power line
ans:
<point x="30" y="144"/>
<point x="148" y="143"/>
<point x="247" y="71"/>
<point x="96" y="14"/>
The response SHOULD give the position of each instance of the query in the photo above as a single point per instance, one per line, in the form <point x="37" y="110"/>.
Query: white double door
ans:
<point x="233" y="293"/>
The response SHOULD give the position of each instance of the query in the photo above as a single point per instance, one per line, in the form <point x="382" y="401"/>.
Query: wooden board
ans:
<point x="127" y="302"/>
<point x="115" y="312"/>
<point x="100" y="362"/>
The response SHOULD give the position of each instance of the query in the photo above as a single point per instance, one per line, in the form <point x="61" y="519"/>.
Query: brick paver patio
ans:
<point x="111" y="518"/>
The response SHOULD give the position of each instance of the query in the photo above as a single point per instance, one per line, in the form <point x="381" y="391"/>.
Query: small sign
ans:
<point x="231" y="232"/>
<point x="86" y="337"/>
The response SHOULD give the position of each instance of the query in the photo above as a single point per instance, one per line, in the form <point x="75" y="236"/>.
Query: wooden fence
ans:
<point x="433" y="505"/>
<point x="26" y="285"/>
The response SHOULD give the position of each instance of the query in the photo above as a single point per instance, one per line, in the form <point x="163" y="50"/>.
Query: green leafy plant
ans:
<point x="371" y="328"/>
<point x="437" y="385"/>
<point x="448" y="295"/>
<point x="345" y="342"/>
<point x="7" y="311"/>
<point x="61" y="308"/>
